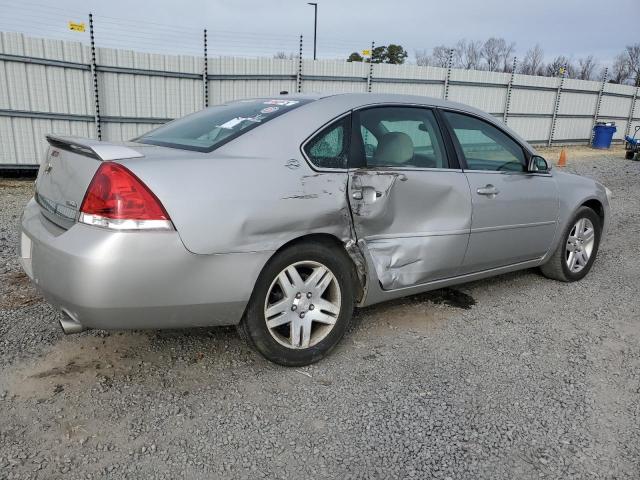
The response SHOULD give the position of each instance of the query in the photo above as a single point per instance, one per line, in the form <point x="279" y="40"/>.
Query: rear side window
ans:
<point x="211" y="128"/>
<point x="401" y="137"/>
<point x="329" y="148"/>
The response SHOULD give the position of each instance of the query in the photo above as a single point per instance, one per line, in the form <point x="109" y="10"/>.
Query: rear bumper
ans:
<point x="123" y="280"/>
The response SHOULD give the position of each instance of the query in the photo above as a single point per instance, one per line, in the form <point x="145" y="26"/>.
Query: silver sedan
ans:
<point x="280" y="215"/>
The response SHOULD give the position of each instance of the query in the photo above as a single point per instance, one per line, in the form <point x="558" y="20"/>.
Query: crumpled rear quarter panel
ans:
<point x="253" y="194"/>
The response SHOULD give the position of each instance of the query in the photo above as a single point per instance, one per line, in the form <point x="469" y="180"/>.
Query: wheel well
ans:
<point x="324" y="238"/>
<point x="596" y="206"/>
<point x="331" y="241"/>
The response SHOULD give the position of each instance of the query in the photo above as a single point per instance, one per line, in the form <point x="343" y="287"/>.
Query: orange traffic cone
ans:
<point x="562" y="161"/>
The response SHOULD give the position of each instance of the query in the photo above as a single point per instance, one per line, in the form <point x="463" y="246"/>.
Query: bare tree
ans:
<point x="586" y="68"/>
<point x="532" y="63"/>
<point x="491" y="52"/>
<point x="284" y="56"/>
<point x="560" y="66"/>
<point x="507" y="57"/>
<point x="633" y="59"/>
<point x="422" y="58"/>
<point x="440" y="56"/>
<point x="496" y="53"/>
<point x="468" y="54"/>
<point x="619" y="71"/>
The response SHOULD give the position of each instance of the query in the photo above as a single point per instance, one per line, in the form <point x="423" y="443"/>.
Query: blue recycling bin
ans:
<point x="603" y="134"/>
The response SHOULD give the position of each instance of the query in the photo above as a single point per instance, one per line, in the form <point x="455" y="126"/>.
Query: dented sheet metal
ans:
<point x="414" y="223"/>
<point x="239" y="204"/>
<point x="401" y="262"/>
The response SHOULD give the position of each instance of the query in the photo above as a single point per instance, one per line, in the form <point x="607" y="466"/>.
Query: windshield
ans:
<point x="209" y="129"/>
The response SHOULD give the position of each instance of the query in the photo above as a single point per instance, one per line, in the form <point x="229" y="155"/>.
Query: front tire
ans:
<point x="629" y="154"/>
<point x="301" y="306"/>
<point x="578" y="248"/>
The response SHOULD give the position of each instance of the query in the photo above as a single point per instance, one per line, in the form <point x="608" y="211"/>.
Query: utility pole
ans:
<point x="315" y="27"/>
<point x="205" y="73"/>
<point x="94" y="74"/>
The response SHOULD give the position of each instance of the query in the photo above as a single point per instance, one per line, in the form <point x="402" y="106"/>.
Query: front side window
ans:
<point x="208" y="129"/>
<point x="328" y="149"/>
<point x="485" y="146"/>
<point x="401" y="137"/>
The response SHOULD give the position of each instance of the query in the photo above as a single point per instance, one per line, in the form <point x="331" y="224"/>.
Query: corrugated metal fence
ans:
<point x="48" y="86"/>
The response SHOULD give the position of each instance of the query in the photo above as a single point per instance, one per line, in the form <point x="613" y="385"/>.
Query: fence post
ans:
<point x="205" y="74"/>
<point x="370" y="77"/>
<point x="596" y="114"/>
<point x="507" y="104"/>
<point x="445" y="94"/>
<point x="94" y="75"/>
<point x="632" y="110"/>
<point x="556" y="107"/>
<point x="299" y="75"/>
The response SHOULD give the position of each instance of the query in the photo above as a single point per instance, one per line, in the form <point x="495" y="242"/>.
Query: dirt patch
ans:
<point x="78" y="362"/>
<point x="417" y="314"/>
<point x="579" y="152"/>
<point x="70" y="368"/>
<point x="17" y="291"/>
<point x="98" y="360"/>
<point x="12" y="183"/>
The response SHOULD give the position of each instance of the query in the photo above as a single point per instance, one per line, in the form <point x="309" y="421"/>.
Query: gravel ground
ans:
<point x="537" y="379"/>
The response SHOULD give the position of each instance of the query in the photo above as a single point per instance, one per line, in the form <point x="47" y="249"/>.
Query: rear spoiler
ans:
<point x="89" y="147"/>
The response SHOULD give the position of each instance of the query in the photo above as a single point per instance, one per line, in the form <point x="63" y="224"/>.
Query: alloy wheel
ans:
<point x="302" y="305"/>
<point x="580" y="245"/>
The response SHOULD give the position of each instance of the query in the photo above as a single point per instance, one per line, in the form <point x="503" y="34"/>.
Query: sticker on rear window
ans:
<point x="269" y="110"/>
<point x="232" y="123"/>
<point x="256" y="118"/>
<point x="282" y="103"/>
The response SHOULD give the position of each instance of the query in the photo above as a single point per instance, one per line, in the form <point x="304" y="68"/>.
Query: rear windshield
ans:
<point x="211" y="128"/>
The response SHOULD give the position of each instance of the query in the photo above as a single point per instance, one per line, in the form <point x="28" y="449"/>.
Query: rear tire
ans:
<point x="301" y="306"/>
<point x="577" y="249"/>
<point x="629" y="155"/>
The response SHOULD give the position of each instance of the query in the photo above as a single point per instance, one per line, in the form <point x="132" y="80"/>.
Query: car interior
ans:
<point x="401" y="137"/>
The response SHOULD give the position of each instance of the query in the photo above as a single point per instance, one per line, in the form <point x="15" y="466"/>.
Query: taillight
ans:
<point x="117" y="199"/>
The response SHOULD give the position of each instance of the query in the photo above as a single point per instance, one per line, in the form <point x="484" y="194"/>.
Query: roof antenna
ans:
<point x="284" y="92"/>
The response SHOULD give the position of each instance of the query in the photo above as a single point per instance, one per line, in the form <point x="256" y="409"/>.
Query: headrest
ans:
<point x="395" y="148"/>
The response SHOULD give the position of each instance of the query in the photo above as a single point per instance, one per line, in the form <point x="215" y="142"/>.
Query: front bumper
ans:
<point x="124" y="280"/>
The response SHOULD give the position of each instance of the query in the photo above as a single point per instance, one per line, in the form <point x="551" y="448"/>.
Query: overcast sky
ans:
<point x="575" y="28"/>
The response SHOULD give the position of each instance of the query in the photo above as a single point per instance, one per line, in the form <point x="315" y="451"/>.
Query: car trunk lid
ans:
<point x="66" y="172"/>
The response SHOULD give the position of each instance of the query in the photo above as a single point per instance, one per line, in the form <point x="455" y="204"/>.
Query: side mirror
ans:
<point x="538" y="164"/>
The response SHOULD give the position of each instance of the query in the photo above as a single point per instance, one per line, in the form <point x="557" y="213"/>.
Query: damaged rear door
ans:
<point x="410" y="201"/>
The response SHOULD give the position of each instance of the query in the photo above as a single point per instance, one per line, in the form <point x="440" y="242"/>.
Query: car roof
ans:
<point x="346" y="101"/>
<point x="356" y="100"/>
<point x="362" y="99"/>
<point x="329" y="104"/>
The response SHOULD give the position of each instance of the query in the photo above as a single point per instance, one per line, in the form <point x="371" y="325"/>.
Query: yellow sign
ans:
<point x="76" y="27"/>
<point x="366" y="53"/>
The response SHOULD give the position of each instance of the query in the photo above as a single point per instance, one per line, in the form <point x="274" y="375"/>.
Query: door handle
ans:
<point x="370" y="192"/>
<point x="488" y="190"/>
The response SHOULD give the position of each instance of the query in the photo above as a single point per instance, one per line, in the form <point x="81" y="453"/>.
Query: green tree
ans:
<point x="383" y="54"/>
<point x="379" y="54"/>
<point x="396" y="54"/>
